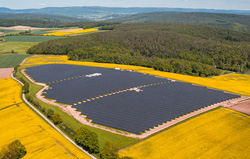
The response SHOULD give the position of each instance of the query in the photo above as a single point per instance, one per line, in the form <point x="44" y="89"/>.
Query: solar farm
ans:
<point x="122" y="99"/>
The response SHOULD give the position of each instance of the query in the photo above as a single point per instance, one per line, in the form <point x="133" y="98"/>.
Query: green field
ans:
<point x="10" y="61"/>
<point x="17" y="47"/>
<point x="30" y="38"/>
<point x="8" y="31"/>
<point x="40" y="32"/>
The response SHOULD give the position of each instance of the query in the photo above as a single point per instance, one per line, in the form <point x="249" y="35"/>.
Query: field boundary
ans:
<point x="49" y="122"/>
<point x="82" y="118"/>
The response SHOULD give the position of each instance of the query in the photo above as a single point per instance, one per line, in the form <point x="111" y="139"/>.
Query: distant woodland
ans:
<point x="187" y="49"/>
<point x="229" y="21"/>
<point x="51" y="23"/>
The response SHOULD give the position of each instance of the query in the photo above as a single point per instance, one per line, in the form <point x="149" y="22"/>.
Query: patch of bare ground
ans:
<point x="83" y="118"/>
<point x="243" y="106"/>
<point x="19" y="27"/>
<point x="5" y="72"/>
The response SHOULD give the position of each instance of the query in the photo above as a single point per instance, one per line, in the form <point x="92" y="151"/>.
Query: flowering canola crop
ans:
<point x="70" y="31"/>
<point x="235" y="83"/>
<point x="222" y="133"/>
<point x="19" y="122"/>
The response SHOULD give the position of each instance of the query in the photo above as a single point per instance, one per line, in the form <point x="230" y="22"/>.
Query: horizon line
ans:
<point x="134" y="7"/>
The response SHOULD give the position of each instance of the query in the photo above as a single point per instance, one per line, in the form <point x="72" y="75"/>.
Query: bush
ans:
<point x="28" y="97"/>
<point x="50" y="113"/>
<point x="67" y="130"/>
<point x="14" y="150"/>
<point x="87" y="140"/>
<point x="56" y="118"/>
<point x="43" y="110"/>
<point x="25" y="88"/>
<point x="110" y="151"/>
<point x="15" y="70"/>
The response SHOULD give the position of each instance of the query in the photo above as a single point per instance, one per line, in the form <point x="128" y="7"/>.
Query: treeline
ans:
<point x="88" y="140"/>
<point x="52" y="23"/>
<point x="42" y="17"/>
<point x="28" y="22"/>
<point x="188" y="49"/>
<point x="86" y="25"/>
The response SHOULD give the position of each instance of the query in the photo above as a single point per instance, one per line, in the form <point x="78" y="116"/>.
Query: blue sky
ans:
<point x="209" y="4"/>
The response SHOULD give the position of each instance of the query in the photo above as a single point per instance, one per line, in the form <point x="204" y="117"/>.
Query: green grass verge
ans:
<point x="30" y="38"/>
<point x="18" y="47"/>
<point x="10" y="61"/>
<point x="104" y="136"/>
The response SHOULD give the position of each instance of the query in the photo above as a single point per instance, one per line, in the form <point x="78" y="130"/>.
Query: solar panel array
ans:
<point x="77" y="90"/>
<point x="137" y="112"/>
<point x="53" y="72"/>
<point x="129" y="110"/>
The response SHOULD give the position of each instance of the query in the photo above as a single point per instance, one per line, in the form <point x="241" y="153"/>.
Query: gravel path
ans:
<point x="49" y="122"/>
<point x="81" y="118"/>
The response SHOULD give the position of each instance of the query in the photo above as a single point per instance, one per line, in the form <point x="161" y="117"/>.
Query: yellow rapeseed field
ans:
<point x="222" y="133"/>
<point x="70" y="31"/>
<point x="19" y="122"/>
<point x="235" y="83"/>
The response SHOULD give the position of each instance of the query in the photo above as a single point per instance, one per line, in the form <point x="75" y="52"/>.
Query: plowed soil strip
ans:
<point x="5" y="72"/>
<point x="243" y="107"/>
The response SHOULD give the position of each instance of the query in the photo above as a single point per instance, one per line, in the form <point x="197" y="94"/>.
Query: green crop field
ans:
<point x="30" y="38"/>
<point x="40" y="32"/>
<point x="10" y="61"/>
<point x="8" y="31"/>
<point x="17" y="47"/>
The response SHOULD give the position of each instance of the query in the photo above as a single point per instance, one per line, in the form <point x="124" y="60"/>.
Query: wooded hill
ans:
<point x="229" y="21"/>
<point x="188" y="49"/>
<point x="51" y="24"/>
<point x="42" y="17"/>
<point x="103" y="13"/>
<point x="36" y="20"/>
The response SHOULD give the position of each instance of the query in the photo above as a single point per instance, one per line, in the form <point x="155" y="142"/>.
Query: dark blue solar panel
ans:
<point x="129" y="111"/>
<point x="137" y="112"/>
<point x="82" y="88"/>
<point x="53" y="72"/>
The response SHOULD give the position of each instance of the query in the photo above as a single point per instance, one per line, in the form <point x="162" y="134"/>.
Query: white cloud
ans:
<point x="42" y="4"/>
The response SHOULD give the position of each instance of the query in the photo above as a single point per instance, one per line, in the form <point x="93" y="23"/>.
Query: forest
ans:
<point x="52" y="23"/>
<point x="43" y="17"/>
<point x="229" y="21"/>
<point x="179" y="48"/>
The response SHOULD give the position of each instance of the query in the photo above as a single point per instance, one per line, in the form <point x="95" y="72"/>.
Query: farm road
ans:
<point x="49" y="122"/>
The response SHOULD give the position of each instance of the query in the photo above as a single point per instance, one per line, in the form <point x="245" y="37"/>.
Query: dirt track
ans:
<point x="243" y="107"/>
<point x="5" y="72"/>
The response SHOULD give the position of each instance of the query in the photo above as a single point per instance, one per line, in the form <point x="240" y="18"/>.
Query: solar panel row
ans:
<point x="136" y="112"/>
<point x="53" y="72"/>
<point x="129" y="110"/>
<point x="77" y="90"/>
